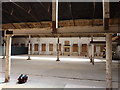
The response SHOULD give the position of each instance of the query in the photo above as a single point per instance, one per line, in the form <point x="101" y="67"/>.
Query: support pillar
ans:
<point x="8" y="58"/>
<point x="79" y="46"/>
<point x="109" y="61"/>
<point x="106" y="14"/>
<point x="71" y="48"/>
<point x="4" y="45"/>
<point x="39" y="48"/>
<point x="29" y="49"/>
<point x="47" y="48"/>
<point x="92" y="54"/>
<point x="80" y="49"/>
<point x="58" y="50"/>
<point x="4" y="42"/>
<point x="62" y="47"/>
<point x="54" y="16"/>
<point x="32" y="48"/>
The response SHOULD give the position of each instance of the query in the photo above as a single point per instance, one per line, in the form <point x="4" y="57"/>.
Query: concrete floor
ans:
<point x="70" y="72"/>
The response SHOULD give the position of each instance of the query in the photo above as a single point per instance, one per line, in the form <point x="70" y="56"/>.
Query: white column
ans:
<point x="38" y="41"/>
<point x="92" y="54"/>
<point x="79" y="46"/>
<point x="71" y="48"/>
<point x="47" y="48"/>
<point x="109" y="61"/>
<point x="8" y="58"/>
<point x="54" y="48"/>
<point x="39" y="48"/>
<point x="29" y="49"/>
<point x="58" y="50"/>
<point x="62" y="47"/>
<point x="89" y="50"/>
<point x="4" y="41"/>
<point x="80" y="49"/>
<point x="92" y="50"/>
<point x="57" y="13"/>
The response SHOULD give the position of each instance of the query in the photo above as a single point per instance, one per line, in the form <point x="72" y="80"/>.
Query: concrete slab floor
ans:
<point x="45" y="72"/>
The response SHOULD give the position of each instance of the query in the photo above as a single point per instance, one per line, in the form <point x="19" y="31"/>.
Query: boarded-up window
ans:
<point x="67" y="42"/>
<point x="84" y="47"/>
<point x="75" y="47"/>
<point x="43" y="47"/>
<point x="50" y="47"/>
<point x="59" y="47"/>
<point x="36" y="47"/>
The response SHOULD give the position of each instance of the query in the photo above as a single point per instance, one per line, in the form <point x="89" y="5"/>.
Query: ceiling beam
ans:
<point x="66" y="31"/>
<point x="63" y="23"/>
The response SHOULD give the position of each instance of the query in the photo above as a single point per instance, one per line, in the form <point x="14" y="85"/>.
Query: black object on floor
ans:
<point x="22" y="79"/>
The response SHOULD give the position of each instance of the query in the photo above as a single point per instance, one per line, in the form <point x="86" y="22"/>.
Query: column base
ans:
<point x="3" y="57"/>
<point x="92" y="60"/>
<point x="29" y="58"/>
<point x="58" y="60"/>
<point x="7" y="80"/>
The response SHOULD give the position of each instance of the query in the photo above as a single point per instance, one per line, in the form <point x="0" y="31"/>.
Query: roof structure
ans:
<point x="74" y="18"/>
<point x="19" y="12"/>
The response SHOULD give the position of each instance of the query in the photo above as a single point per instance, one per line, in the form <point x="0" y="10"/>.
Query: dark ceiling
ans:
<point x="17" y="12"/>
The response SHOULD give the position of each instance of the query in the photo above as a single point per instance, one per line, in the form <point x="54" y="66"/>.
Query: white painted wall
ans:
<point x="40" y="41"/>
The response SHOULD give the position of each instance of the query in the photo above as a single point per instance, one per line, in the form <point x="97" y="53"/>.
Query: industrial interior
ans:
<point x="60" y="44"/>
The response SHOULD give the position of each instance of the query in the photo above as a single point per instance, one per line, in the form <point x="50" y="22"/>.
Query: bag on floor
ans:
<point x="22" y="79"/>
